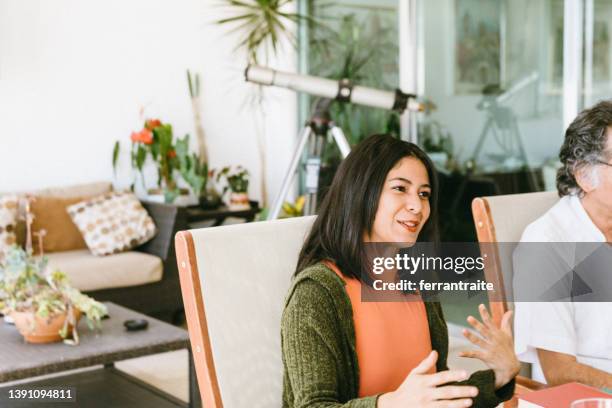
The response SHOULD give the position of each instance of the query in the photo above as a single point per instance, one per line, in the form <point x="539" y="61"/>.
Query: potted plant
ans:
<point x="40" y="301"/>
<point x="195" y="173"/>
<point x="237" y="183"/>
<point x="155" y="140"/>
<point x="172" y="159"/>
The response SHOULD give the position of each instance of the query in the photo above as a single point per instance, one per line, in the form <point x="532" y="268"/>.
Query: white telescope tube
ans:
<point x="326" y="88"/>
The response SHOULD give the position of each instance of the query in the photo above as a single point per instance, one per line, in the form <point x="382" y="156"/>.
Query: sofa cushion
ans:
<point x="50" y="214"/>
<point x="88" y="272"/>
<point x="71" y="191"/>
<point x="112" y="223"/>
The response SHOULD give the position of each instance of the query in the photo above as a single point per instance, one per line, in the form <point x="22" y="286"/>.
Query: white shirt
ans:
<point x="582" y="329"/>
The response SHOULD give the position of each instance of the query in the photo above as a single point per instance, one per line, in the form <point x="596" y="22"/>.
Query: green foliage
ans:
<point x="294" y="209"/>
<point x="140" y="156"/>
<point x="361" y="50"/>
<point x="27" y="284"/>
<point x="156" y="140"/>
<point x="116" y="149"/>
<point x="263" y="24"/>
<point x="194" y="85"/>
<point x="193" y="171"/>
<point x="163" y="136"/>
<point x="237" y="179"/>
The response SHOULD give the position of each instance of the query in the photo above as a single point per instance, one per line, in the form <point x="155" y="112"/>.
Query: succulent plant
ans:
<point x="29" y="284"/>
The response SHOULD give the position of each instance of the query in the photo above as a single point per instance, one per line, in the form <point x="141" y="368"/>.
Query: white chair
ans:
<point x="502" y="219"/>
<point x="234" y="280"/>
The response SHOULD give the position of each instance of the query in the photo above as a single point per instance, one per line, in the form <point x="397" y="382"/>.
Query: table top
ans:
<point x="20" y="360"/>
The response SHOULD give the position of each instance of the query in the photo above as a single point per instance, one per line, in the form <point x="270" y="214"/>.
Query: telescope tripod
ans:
<point x="313" y="137"/>
<point x="502" y="124"/>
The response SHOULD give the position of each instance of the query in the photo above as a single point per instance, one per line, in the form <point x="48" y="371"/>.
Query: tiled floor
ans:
<point x="167" y="371"/>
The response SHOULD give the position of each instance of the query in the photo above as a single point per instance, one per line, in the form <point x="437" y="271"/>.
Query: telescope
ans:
<point x="340" y="90"/>
<point x="321" y="124"/>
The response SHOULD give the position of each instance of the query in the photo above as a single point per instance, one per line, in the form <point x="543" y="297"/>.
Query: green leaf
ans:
<point x="164" y="137"/>
<point x="263" y="24"/>
<point x="236" y="18"/>
<point x="141" y="156"/>
<point x="115" y="156"/>
<point x="182" y="147"/>
<point x="190" y="84"/>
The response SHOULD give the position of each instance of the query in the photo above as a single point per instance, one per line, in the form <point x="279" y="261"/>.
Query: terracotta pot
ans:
<point x="239" y="201"/>
<point x="36" y="329"/>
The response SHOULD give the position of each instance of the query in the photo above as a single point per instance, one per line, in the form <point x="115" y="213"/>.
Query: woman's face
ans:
<point x="403" y="207"/>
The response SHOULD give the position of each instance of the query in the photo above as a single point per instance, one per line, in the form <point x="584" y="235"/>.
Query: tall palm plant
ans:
<point x="263" y="26"/>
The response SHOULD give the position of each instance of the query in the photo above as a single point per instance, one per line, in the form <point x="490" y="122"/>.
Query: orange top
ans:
<point x="391" y="338"/>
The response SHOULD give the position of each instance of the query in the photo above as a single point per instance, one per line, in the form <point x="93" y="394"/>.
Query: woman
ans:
<point x="339" y="351"/>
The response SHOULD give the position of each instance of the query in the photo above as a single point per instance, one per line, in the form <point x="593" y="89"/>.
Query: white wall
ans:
<point x="74" y="74"/>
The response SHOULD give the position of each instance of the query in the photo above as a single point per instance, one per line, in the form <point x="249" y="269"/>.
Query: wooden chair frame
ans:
<point x="485" y="231"/>
<point x="195" y="315"/>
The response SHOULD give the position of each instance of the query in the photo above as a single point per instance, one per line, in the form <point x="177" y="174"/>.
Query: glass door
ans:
<point x="597" y="51"/>
<point x="492" y="72"/>
<point x="357" y="40"/>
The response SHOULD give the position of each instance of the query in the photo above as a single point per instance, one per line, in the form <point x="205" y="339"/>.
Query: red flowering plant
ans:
<point x="156" y="141"/>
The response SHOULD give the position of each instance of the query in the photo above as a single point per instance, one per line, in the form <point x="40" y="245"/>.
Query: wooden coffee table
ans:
<point x="101" y="387"/>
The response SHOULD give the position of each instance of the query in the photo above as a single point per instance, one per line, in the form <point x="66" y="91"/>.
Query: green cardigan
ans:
<point x="318" y="344"/>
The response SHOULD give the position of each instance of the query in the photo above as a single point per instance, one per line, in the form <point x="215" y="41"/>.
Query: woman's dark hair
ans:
<point x="584" y="145"/>
<point x="350" y="205"/>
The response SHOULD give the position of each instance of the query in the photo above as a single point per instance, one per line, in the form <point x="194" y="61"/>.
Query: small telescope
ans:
<point x="343" y="90"/>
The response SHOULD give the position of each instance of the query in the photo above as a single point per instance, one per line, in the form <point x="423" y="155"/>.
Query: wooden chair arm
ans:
<point x="528" y="384"/>
<point x="523" y="385"/>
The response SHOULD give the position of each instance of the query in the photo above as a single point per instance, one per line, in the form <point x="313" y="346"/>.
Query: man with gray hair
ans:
<point x="572" y="341"/>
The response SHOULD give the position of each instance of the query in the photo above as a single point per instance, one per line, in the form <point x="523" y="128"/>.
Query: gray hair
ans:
<point x="584" y="148"/>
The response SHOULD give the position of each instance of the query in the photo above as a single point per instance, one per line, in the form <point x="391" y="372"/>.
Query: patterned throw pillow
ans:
<point x="112" y="223"/>
<point x="9" y="207"/>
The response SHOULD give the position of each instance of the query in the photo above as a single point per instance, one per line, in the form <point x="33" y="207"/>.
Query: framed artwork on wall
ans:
<point x="477" y="45"/>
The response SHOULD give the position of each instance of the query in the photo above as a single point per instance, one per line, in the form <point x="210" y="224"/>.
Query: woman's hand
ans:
<point x="423" y="390"/>
<point x="496" y="346"/>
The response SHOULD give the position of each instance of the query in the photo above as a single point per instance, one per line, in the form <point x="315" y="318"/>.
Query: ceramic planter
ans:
<point x="238" y="201"/>
<point x="38" y="330"/>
